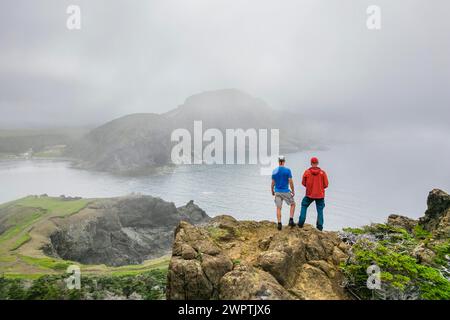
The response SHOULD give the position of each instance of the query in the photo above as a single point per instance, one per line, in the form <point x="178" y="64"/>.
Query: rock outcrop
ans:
<point x="437" y="216"/>
<point x="406" y="223"/>
<point x="120" y="231"/>
<point x="230" y="259"/>
<point x="436" y="219"/>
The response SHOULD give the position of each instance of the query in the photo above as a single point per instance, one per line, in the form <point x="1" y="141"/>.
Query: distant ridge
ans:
<point x="141" y="141"/>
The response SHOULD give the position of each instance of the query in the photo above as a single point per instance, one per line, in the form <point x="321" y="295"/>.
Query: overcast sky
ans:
<point x="316" y="57"/>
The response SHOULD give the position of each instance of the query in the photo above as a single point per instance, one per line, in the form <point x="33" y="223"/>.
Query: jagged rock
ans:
<point x="248" y="283"/>
<point x="195" y="278"/>
<point x="402" y="222"/>
<point x="187" y="280"/>
<point x="226" y="225"/>
<point x="437" y="216"/>
<point x="326" y="267"/>
<point x="264" y="244"/>
<point x="338" y="256"/>
<point x="193" y="213"/>
<point x="120" y="231"/>
<point x="268" y="264"/>
<point x="424" y="255"/>
<point x="315" y="284"/>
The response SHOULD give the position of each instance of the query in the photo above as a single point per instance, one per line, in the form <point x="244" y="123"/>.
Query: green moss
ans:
<point x="217" y="233"/>
<point x="420" y="233"/>
<point x="236" y="262"/>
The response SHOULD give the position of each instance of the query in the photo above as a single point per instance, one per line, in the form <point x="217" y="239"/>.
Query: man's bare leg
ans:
<point x="292" y="210"/>
<point x="291" y="220"/>
<point x="279" y="215"/>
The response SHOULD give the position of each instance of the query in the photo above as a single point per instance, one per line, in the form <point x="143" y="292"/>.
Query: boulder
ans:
<point x="424" y="255"/>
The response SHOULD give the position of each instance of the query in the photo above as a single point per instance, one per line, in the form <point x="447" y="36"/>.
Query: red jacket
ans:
<point x="316" y="181"/>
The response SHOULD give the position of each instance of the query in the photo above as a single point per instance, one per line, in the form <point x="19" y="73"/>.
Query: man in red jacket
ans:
<point x="316" y="181"/>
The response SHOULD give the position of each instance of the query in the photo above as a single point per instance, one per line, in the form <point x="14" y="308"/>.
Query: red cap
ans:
<point x="314" y="160"/>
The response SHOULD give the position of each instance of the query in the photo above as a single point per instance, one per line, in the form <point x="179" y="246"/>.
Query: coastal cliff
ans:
<point x="114" y="241"/>
<point x="230" y="259"/>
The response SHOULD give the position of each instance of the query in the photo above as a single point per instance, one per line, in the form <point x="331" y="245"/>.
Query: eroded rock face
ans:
<point x="401" y="221"/>
<point x="229" y="259"/>
<point x="120" y="231"/>
<point x="437" y="216"/>
<point x="197" y="265"/>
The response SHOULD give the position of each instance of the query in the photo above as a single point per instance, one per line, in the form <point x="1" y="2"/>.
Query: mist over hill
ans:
<point x="140" y="141"/>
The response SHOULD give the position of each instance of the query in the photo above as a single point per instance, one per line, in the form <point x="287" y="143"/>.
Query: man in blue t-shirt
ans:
<point x="281" y="181"/>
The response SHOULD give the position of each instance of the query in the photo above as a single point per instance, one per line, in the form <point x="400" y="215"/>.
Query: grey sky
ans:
<point x="316" y="57"/>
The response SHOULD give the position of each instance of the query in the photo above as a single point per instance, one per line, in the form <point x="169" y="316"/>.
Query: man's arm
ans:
<point x="291" y="184"/>
<point x="272" y="187"/>
<point x="304" y="179"/>
<point x="325" y="180"/>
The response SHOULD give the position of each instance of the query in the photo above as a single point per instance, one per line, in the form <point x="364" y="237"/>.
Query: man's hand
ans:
<point x="273" y="193"/>
<point x="291" y="185"/>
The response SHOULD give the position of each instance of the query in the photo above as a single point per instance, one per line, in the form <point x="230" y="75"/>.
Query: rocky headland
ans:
<point x="230" y="259"/>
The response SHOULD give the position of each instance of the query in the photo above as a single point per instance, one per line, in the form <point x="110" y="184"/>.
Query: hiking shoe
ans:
<point x="291" y="222"/>
<point x="279" y="226"/>
<point x="319" y="228"/>
<point x="299" y="225"/>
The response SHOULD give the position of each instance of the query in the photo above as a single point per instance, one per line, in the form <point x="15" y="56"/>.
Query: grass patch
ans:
<point x="132" y="272"/>
<point x="157" y="264"/>
<point x="7" y="258"/>
<point x="420" y="233"/>
<point x="21" y="241"/>
<point x="20" y="222"/>
<point x="54" y="206"/>
<point x="47" y="263"/>
<point x="23" y="276"/>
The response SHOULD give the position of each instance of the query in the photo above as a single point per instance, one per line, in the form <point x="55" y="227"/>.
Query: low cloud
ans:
<point x="314" y="57"/>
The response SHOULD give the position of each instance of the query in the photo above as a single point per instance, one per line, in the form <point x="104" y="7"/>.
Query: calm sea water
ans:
<point x="367" y="182"/>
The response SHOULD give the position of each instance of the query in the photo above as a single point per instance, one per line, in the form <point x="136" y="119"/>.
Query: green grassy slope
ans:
<point x="18" y="218"/>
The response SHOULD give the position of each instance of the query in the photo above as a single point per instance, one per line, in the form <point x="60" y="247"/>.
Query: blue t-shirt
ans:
<point x="281" y="176"/>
